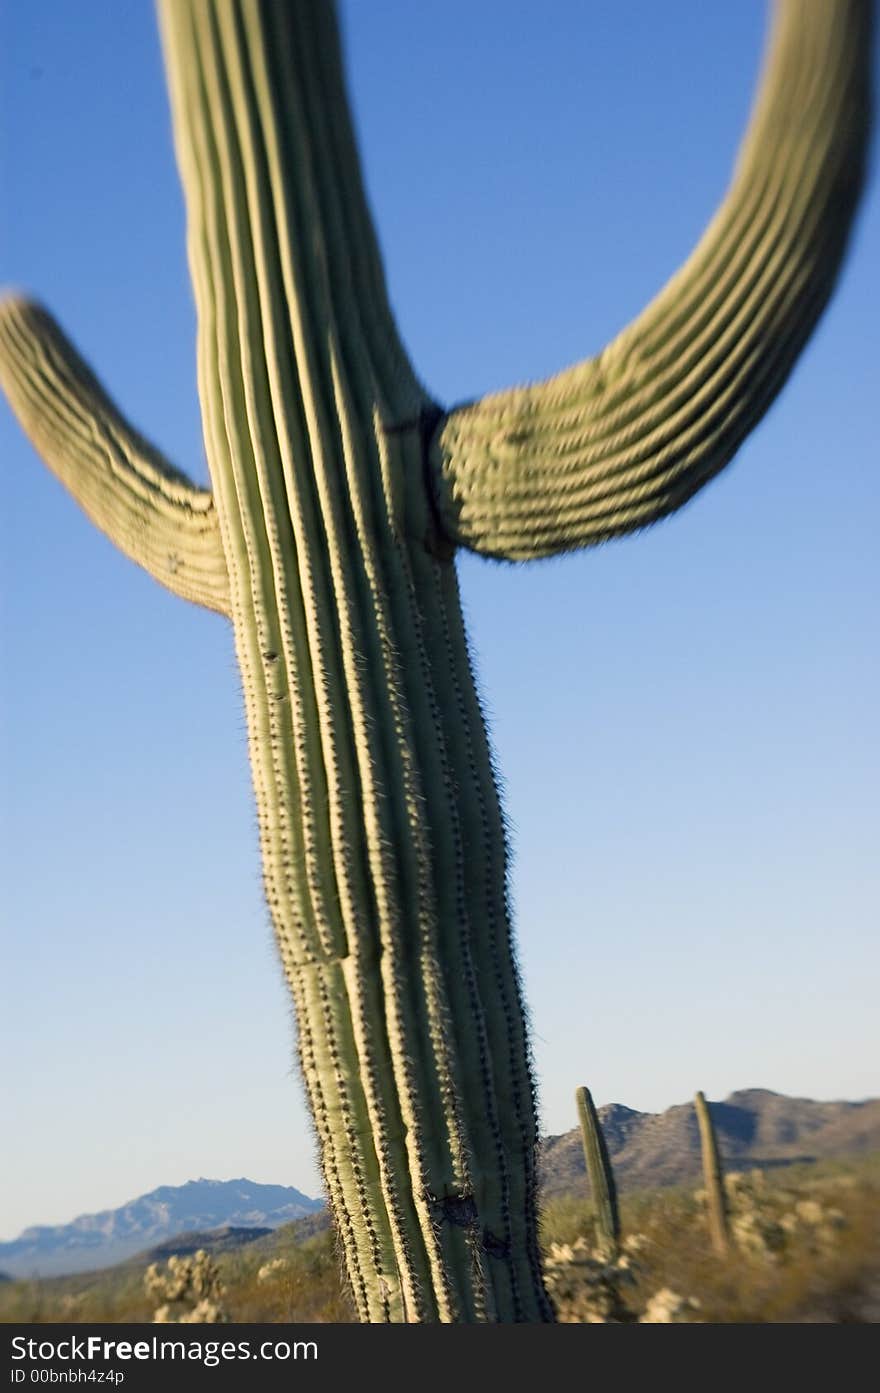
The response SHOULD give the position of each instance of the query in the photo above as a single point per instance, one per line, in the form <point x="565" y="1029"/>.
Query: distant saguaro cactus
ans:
<point x="713" y="1179"/>
<point x="601" y="1176"/>
<point x="339" y="493"/>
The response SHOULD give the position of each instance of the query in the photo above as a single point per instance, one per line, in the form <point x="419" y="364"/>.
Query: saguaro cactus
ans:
<point x="599" y="1170"/>
<point x="713" y="1178"/>
<point x="340" y="491"/>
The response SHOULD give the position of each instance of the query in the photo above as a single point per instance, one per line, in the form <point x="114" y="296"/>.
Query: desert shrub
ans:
<point x="807" y="1246"/>
<point x="598" y="1284"/>
<point x="589" y="1284"/>
<point x="190" y="1290"/>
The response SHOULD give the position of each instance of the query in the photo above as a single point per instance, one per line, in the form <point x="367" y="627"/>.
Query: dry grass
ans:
<point x="821" y="1268"/>
<point x="824" y="1267"/>
<point x="307" y="1288"/>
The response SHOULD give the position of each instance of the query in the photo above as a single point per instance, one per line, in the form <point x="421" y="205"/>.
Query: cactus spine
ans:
<point x="339" y="492"/>
<point x="713" y="1178"/>
<point x="599" y="1170"/>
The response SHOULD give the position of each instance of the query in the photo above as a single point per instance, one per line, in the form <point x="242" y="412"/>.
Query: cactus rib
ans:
<point x="618" y="441"/>
<point x="151" y="511"/>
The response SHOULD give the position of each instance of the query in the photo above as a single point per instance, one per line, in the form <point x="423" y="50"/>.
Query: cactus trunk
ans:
<point x="382" y="838"/>
<point x="601" y="1176"/>
<point x="713" y="1178"/>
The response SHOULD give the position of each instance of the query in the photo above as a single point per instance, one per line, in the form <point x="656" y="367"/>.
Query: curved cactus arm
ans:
<point x="618" y="441"/>
<point x="153" y="513"/>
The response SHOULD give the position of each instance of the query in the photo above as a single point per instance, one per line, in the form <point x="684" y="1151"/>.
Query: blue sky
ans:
<point x="685" y="721"/>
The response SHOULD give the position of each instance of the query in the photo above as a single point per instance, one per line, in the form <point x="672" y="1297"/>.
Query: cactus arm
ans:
<point x="599" y="1170"/>
<point x="153" y="513"/>
<point x="713" y="1179"/>
<point x="623" y="439"/>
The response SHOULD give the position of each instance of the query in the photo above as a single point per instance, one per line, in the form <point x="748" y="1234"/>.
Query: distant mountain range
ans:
<point x="99" y="1240"/>
<point x="754" y="1126"/>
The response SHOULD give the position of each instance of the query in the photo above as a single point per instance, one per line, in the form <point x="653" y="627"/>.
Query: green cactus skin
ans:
<point x="601" y="1176"/>
<point x="339" y="492"/>
<point x="713" y="1179"/>
<point x="152" y="511"/>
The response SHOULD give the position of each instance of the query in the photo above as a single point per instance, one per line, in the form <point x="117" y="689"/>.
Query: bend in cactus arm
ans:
<point x="621" y="440"/>
<point x="599" y="1171"/>
<point x="151" y="511"/>
<point x="713" y="1178"/>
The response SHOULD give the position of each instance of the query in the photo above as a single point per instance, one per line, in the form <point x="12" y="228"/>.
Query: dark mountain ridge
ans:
<point x="754" y="1126"/>
<point x="111" y="1236"/>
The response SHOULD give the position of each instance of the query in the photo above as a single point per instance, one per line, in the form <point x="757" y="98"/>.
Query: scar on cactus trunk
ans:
<point x="339" y="492"/>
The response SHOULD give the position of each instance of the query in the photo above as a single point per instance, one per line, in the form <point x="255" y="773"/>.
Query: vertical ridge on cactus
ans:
<point x="340" y="491"/>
